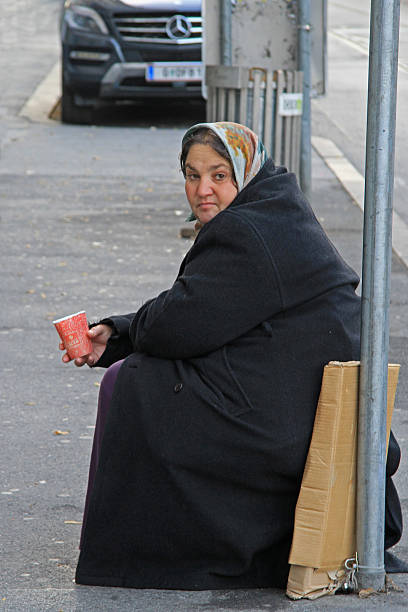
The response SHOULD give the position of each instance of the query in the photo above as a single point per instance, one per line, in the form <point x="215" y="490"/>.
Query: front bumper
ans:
<point x="116" y="75"/>
<point x="127" y="80"/>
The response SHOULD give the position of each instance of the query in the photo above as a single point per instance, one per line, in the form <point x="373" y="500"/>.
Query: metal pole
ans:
<point x="304" y="65"/>
<point x="225" y="29"/>
<point x="377" y="247"/>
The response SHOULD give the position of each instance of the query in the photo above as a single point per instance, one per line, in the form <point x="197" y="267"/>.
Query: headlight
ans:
<point x="85" y="18"/>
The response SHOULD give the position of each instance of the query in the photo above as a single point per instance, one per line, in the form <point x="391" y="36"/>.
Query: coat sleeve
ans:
<point x="228" y="286"/>
<point x="119" y="345"/>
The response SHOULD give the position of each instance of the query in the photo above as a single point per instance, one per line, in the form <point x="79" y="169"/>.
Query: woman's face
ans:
<point x="209" y="182"/>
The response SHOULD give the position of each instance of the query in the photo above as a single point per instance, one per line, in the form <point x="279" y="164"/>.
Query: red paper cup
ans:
<point x="73" y="332"/>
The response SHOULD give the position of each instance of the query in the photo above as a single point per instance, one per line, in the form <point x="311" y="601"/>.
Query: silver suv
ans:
<point x="127" y="50"/>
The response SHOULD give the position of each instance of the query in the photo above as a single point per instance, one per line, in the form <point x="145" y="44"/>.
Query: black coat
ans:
<point x="213" y="408"/>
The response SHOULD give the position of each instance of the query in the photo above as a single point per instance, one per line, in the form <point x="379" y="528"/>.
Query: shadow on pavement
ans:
<point x="163" y="113"/>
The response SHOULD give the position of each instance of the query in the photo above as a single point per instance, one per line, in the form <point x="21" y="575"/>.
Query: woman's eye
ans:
<point x="191" y="177"/>
<point x="220" y="176"/>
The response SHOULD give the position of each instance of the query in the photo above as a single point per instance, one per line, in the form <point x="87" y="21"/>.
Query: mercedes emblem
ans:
<point x="178" y="26"/>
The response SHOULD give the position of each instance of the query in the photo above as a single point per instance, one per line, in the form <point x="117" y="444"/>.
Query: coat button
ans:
<point x="178" y="387"/>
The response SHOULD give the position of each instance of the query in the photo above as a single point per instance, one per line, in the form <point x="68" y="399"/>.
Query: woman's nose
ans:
<point x="204" y="186"/>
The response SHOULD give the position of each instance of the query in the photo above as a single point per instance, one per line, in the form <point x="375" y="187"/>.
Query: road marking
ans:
<point x="353" y="183"/>
<point x="45" y="97"/>
<point x="359" y="43"/>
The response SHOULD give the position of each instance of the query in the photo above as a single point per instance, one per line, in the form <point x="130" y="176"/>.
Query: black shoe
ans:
<point x="393" y="565"/>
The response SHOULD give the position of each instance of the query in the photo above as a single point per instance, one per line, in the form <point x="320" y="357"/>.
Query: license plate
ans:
<point x="167" y="71"/>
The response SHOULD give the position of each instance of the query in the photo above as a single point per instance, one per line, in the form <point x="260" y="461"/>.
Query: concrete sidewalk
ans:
<point x="101" y="233"/>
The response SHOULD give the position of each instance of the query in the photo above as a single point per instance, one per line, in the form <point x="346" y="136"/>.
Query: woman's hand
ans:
<point x="99" y="336"/>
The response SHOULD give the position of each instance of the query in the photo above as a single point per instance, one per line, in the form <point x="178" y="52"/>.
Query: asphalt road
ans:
<point x="90" y="219"/>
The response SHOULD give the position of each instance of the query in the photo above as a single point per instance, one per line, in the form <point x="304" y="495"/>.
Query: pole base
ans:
<point x="371" y="580"/>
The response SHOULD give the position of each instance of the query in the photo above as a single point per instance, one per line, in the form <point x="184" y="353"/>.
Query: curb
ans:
<point x="353" y="182"/>
<point x="45" y="96"/>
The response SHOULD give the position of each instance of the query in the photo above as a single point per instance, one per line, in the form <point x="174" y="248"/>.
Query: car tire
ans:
<point x="71" y="112"/>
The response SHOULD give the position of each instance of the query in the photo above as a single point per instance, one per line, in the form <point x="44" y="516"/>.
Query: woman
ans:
<point x="209" y="416"/>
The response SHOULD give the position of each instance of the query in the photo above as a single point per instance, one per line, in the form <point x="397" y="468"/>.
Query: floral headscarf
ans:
<point x="245" y="149"/>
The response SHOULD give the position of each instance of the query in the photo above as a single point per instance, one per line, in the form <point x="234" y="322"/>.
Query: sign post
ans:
<point x="305" y="66"/>
<point x="377" y="252"/>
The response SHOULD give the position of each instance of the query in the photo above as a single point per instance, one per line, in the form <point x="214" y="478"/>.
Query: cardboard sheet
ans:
<point x="324" y="533"/>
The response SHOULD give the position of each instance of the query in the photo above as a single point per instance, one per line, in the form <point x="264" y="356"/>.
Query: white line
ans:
<point x="44" y="98"/>
<point x="361" y="47"/>
<point x="353" y="183"/>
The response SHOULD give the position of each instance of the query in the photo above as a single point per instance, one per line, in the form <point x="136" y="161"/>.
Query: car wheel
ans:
<point x="71" y="112"/>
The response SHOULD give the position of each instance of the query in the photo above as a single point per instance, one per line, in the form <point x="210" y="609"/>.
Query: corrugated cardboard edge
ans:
<point x="313" y="582"/>
<point x="329" y="475"/>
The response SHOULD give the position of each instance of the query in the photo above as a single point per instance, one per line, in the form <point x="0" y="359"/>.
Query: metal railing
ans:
<point x="268" y="102"/>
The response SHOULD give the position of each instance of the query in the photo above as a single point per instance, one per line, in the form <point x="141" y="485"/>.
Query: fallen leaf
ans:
<point x="30" y="403"/>
<point x="58" y="432"/>
<point x="364" y="593"/>
<point x="73" y="522"/>
<point x="97" y="384"/>
<point x="43" y="295"/>
<point x="30" y="291"/>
